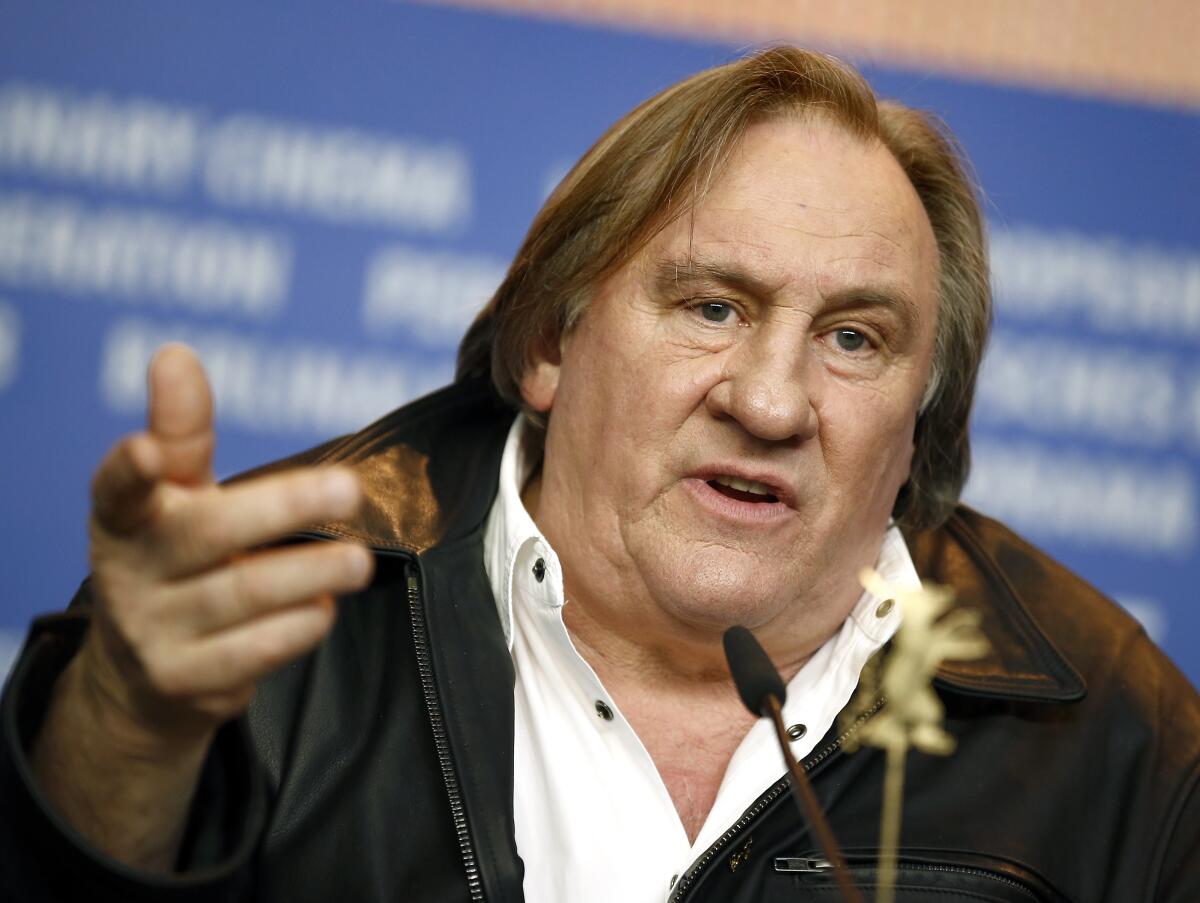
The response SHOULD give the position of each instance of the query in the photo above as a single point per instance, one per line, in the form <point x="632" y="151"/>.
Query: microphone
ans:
<point x="763" y="692"/>
<point x="753" y="674"/>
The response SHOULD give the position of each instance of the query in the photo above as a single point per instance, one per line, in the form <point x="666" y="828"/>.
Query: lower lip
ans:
<point x="734" y="509"/>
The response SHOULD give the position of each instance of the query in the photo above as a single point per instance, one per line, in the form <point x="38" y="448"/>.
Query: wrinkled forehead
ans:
<point x="806" y="198"/>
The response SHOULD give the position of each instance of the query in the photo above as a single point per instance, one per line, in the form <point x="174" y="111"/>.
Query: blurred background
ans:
<point x="317" y="195"/>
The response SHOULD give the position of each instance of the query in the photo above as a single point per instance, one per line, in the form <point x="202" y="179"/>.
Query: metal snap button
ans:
<point x="539" y="570"/>
<point x="884" y="608"/>
<point x="796" y="731"/>
<point x="603" y="710"/>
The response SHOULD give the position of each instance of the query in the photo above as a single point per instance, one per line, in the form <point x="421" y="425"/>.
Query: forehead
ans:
<point x="805" y="201"/>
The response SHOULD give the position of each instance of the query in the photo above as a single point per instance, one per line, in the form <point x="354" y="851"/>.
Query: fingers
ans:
<point x="180" y="414"/>
<point x="241" y="655"/>
<point x="187" y="617"/>
<point x="267" y="582"/>
<point x="123" y="488"/>
<point x="196" y="647"/>
<point x="208" y="527"/>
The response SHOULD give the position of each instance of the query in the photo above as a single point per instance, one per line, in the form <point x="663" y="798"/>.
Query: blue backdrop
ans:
<point x="318" y="195"/>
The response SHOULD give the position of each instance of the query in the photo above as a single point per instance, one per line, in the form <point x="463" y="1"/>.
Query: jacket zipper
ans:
<point x="438" y="723"/>
<point x="981" y="873"/>
<point x="763" y="802"/>
<point x="795" y="865"/>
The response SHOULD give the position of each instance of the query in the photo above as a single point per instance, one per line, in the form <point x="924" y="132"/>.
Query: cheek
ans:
<point x="603" y="410"/>
<point x="595" y="381"/>
<point x="896" y="461"/>
<point x="870" y="455"/>
<point x="638" y="374"/>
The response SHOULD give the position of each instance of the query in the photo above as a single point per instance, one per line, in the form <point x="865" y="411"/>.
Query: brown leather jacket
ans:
<point x="380" y="767"/>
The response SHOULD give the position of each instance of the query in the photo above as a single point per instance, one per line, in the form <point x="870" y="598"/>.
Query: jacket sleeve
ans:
<point x="1179" y="870"/>
<point x="42" y="858"/>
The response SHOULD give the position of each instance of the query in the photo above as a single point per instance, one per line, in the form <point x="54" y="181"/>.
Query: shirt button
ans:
<point x="796" y="731"/>
<point x="884" y="609"/>
<point x="603" y="710"/>
<point x="539" y="570"/>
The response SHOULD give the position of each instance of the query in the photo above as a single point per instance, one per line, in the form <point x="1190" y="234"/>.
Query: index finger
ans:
<point x="123" y="487"/>
<point x="214" y="525"/>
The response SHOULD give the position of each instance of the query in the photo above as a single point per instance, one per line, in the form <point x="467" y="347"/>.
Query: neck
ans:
<point x="678" y="660"/>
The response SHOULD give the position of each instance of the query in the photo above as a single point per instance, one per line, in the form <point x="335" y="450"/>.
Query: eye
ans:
<point x="850" y="339"/>
<point x="716" y="311"/>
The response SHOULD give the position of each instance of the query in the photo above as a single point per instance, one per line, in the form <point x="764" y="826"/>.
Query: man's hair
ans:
<point x="655" y="164"/>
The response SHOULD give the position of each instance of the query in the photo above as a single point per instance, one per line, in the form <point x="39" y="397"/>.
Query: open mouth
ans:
<point x="743" y="490"/>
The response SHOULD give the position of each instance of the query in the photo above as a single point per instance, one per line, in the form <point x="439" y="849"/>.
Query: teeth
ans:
<point x="743" y="485"/>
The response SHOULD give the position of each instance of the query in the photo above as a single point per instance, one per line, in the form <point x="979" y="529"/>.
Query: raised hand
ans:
<point x="189" y="611"/>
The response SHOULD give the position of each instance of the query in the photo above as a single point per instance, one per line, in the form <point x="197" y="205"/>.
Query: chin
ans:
<point x="715" y="593"/>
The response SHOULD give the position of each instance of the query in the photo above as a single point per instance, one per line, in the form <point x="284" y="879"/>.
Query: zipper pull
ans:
<point x="797" y="864"/>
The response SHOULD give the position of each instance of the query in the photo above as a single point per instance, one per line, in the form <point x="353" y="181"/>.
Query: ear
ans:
<point x="540" y="382"/>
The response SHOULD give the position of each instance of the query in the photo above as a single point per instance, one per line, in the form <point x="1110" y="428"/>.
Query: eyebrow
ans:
<point x="894" y="300"/>
<point x="672" y="274"/>
<point x="675" y="274"/>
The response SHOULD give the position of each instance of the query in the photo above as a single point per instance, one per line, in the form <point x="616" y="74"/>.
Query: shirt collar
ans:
<point x="510" y="530"/>
<point x="879" y="618"/>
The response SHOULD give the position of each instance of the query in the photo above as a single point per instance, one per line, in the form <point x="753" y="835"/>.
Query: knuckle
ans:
<point x="209" y="604"/>
<point x="249" y="588"/>
<point x="192" y="539"/>
<point x="204" y="533"/>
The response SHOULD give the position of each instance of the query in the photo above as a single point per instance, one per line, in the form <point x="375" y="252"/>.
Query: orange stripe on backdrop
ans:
<point x="1147" y="51"/>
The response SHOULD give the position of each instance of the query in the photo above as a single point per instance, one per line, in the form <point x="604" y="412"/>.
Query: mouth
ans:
<point x="743" y="490"/>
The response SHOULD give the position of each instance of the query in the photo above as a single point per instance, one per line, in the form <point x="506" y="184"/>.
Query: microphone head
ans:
<point x="753" y="674"/>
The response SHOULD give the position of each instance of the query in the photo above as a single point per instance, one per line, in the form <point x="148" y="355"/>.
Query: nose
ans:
<point x="767" y="388"/>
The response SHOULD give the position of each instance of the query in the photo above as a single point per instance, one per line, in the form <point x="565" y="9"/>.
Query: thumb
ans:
<point x="180" y="414"/>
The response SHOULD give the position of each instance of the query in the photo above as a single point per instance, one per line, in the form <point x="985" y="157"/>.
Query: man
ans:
<point x="744" y="335"/>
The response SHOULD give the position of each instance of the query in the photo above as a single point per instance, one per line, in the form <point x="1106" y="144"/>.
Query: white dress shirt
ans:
<point x="594" y="820"/>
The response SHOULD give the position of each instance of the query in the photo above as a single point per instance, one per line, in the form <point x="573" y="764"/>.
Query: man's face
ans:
<point x="733" y="415"/>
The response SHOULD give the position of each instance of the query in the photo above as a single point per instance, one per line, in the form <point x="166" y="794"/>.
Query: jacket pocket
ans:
<point x="945" y="879"/>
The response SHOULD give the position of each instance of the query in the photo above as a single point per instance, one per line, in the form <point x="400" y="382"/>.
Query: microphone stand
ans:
<point x="810" y="808"/>
<point x="762" y="691"/>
